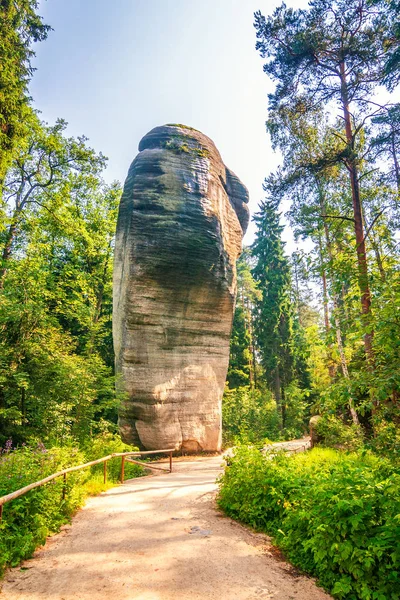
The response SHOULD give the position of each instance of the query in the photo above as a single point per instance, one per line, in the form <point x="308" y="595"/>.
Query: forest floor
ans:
<point x="159" y="538"/>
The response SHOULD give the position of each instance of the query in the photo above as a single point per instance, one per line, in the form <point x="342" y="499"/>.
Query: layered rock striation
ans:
<point x="180" y="226"/>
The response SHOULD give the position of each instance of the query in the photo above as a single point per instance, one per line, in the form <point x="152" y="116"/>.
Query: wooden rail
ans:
<point x="124" y="456"/>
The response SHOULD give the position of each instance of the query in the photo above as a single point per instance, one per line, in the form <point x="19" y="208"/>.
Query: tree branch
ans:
<point x="338" y="217"/>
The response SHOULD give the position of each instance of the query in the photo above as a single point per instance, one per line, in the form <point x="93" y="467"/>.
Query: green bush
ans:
<point x="336" y="515"/>
<point x="248" y="416"/>
<point x="336" y="434"/>
<point x="28" y="520"/>
<point x="109" y="443"/>
<point x="386" y="440"/>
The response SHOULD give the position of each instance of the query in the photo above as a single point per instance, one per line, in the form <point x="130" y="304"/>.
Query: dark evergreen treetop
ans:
<point x="272" y="272"/>
<point x="392" y="44"/>
<point x="387" y="139"/>
<point x="20" y="26"/>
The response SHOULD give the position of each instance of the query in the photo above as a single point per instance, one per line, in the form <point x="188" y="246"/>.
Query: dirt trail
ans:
<point x="158" y="538"/>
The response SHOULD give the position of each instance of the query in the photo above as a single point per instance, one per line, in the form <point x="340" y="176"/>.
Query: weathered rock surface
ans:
<point x="315" y="438"/>
<point x="180" y="226"/>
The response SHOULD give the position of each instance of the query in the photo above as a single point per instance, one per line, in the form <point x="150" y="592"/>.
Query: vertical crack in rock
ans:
<point x="180" y="226"/>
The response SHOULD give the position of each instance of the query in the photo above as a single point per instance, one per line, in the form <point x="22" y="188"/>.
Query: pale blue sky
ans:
<point x="114" y="70"/>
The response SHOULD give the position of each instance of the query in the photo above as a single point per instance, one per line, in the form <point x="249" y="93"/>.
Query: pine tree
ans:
<point x="273" y="317"/>
<point x="20" y="26"/>
<point x="242" y="362"/>
<point x="334" y="52"/>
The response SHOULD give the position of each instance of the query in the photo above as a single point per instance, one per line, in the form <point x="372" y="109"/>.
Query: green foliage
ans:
<point x="336" y="434"/>
<point x="249" y="415"/>
<point x="239" y="356"/>
<point x="335" y="515"/>
<point x="279" y="335"/>
<point x="20" y="26"/>
<point x="273" y="319"/>
<point x="297" y="411"/>
<point x="242" y="368"/>
<point x="341" y="178"/>
<point x="56" y="356"/>
<point x="109" y="443"/>
<point x="28" y="520"/>
<point x="386" y="440"/>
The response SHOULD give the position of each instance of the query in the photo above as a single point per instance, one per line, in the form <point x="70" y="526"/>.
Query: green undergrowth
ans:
<point x="28" y="520"/>
<point x="336" y="515"/>
<point x="249" y="417"/>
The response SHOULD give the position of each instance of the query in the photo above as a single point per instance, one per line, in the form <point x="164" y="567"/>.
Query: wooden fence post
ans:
<point x="64" y="486"/>
<point x="17" y="493"/>
<point x="122" y="469"/>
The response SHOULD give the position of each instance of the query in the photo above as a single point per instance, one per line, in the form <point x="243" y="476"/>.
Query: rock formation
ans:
<point x="180" y="226"/>
<point x="315" y="438"/>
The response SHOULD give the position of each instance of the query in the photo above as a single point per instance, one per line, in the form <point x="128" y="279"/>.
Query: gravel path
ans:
<point x="158" y="538"/>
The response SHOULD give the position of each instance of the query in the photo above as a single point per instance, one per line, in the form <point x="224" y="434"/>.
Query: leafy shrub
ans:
<point x="248" y="416"/>
<point x="336" y="434"/>
<point x="296" y="412"/>
<point x="336" y="515"/>
<point x="109" y="443"/>
<point x="386" y="440"/>
<point x="28" y="520"/>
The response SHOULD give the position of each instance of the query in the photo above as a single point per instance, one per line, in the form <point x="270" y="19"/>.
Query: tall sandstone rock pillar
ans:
<point x="180" y="226"/>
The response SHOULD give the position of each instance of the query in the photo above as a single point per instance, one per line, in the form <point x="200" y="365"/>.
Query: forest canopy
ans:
<point x="324" y="329"/>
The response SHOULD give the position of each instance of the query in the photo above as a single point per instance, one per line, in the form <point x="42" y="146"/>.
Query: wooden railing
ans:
<point x="123" y="455"/>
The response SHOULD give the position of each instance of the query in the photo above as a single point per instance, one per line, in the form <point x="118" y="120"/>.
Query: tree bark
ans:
<point x="375" y="247"/>
<point x="396" y="162"/>
<point x="277" y="389"/>
<point x="363" y="280"/>
<point x="252" y="371"/>
<point x="283" y="406"/>
<point x="338" y="330"/>
<point x="331" y="366"/>
<point x="5" y="256"/>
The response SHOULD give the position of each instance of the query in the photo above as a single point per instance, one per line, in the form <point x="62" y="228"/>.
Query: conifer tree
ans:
<point x="242" y="363"/>
<point x="387" y="140"/>
<point x="20" y="26"/>
<point x="273" y="317"/>
<point x="334" y="52"/>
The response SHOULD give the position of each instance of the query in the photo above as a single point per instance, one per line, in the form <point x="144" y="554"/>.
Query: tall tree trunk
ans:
<point x="23" y="406"/>
<point x="253" y="354"/>
<point x="343" y="361"/>
<point x="247" y="312"/>
<point x="5" y="256"/>
<point x="338" y="329"/>
<point x="278" y="387"/>
<point x="331" y="367"/>
<point x="296" y="278"/>
<point x="377" y="252"/>
<point x="363" y="280"/>
<point x="396" y="163"/>
<point x="283" y="405"/>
